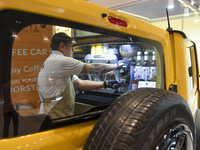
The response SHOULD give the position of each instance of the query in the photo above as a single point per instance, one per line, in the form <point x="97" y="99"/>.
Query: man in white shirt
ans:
<point x="57" y="78"/>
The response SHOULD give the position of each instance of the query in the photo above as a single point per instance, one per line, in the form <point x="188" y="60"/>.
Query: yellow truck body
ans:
<point x="176" y="75"/>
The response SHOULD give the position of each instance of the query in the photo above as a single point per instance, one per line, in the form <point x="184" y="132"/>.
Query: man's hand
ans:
<point x="121" y="63"/>
<point x="114" y="84"/>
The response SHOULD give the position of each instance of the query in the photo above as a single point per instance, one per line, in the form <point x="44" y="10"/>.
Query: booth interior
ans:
<point x="139" y="69"/>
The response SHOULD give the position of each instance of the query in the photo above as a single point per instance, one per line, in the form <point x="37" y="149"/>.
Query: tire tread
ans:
<point x="135" y="109"/>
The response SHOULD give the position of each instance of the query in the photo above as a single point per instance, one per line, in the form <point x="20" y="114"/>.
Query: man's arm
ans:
<point x="87" y="84"/>
<point x="95" y="68"/>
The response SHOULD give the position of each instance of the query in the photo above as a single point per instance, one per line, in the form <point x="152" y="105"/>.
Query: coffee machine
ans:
<point x="103" y="58"/>
<point x="126" y="73"/>
<point x="112" y="75"/>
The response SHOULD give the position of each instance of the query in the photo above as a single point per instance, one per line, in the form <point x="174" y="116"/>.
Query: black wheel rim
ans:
<point x="177" y="138"/>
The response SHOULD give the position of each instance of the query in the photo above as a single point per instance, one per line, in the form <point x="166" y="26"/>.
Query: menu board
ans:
<point x="30" y="48"/>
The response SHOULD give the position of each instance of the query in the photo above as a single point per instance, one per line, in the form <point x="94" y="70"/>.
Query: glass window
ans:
<point x="191" y="65"/>
<point x="49" y="63"/>
<point x="190" y="70"/>
<point x="38" y="78"/>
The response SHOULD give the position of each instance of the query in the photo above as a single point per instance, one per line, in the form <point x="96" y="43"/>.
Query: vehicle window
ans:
<point x="191" y="66"/>
<point x="189" y="70"/>
<point x="194" y="65"/>
<point x="45" y="76"/>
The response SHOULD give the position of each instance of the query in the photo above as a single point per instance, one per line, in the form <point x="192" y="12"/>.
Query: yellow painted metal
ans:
<point x="74" y="137"/>
<point x="194" y="67"/>
<point x="77" y="10"/>
<point x="198" y="75"/>
<point x="182" y="48"/>
<point x="66" y="138"/>
<point x="80" y="11"/>
<point x="194" y="94"/>
<point x="173" y="51"/>
<point x="182" y="77"/>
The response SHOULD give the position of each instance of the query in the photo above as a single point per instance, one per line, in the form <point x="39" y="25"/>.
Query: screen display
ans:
<point x="146" y="84"/>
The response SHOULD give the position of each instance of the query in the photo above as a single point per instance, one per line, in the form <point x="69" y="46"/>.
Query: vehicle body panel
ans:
<point x="65" y="10"/>
<point x="73" y="137"/>
<point x="182" y="71"/>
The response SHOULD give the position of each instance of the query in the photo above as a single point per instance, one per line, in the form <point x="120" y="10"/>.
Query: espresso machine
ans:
<point x="126" y="73"/>
<point x="112" y="75"/>
<point x="103" y="58"/>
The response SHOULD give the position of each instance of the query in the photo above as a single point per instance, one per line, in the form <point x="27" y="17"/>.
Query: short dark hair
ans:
<point x="58" y="38"/>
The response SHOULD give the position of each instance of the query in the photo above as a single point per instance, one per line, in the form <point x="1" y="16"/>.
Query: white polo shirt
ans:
<point x="56" y="73"/>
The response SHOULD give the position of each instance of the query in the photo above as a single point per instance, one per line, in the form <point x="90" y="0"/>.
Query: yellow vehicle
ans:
<point x="156" y="108"/>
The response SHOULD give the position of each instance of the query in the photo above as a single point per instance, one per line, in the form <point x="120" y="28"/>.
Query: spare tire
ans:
<point x="145" y="119"/>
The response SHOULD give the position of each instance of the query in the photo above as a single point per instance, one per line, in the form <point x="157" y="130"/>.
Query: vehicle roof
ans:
<point x="85" y="12"/>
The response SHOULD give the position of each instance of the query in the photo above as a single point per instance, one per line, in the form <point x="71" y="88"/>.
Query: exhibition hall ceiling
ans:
<point x="151" y="9"/>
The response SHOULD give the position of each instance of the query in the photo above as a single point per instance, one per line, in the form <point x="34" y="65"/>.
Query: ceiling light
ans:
<point x="196" y="18"/>
<point x="184" y="5"/>
<point x="170" y="4"/>
<point x="186" y="11"/>
<point x="192" y="2"/>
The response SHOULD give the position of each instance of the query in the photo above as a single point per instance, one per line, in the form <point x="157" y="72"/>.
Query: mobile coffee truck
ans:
<point x="156" y="108"/>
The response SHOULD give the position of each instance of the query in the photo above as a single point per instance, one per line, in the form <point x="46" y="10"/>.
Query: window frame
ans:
<point x="9" y="27"/>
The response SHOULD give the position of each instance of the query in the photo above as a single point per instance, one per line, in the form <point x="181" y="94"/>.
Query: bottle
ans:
<point x="146" y="67"/>
<point x="138" y="66"/>
<point x="153" y="69"/>
<point x="134" y="84"/>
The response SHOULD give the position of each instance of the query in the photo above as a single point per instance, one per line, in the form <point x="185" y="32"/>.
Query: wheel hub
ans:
<point x="177" y="138"/>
